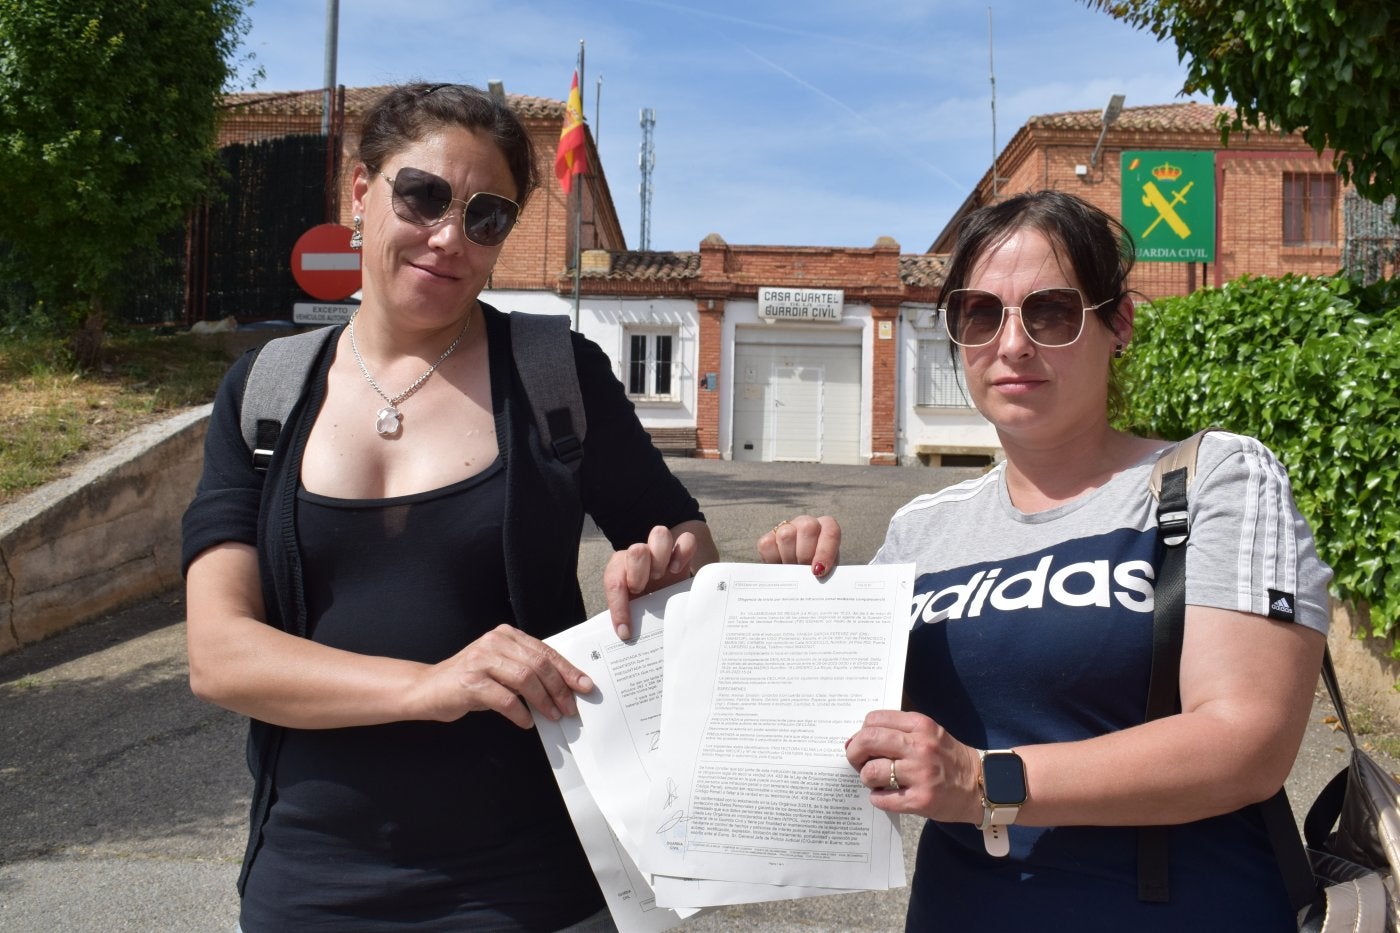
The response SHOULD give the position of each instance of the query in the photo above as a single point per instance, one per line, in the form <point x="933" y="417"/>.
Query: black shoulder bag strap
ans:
<point x="1168" y="628"/>
<point x="1171" y="478"/>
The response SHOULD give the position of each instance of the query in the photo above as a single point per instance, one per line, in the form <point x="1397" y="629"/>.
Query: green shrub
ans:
<point x="1308" y="366"/>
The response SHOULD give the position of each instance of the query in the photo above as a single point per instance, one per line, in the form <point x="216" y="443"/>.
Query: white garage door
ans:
<point x="797" y="402"/>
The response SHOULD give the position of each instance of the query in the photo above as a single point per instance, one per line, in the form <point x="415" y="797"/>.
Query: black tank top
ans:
<point x="444" y="826"/>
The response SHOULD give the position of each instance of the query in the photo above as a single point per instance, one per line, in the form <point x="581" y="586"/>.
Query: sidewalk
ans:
<point x="123" y="799"/>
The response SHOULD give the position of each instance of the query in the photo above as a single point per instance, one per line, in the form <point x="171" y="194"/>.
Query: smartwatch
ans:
<point x="1003" y="787"/>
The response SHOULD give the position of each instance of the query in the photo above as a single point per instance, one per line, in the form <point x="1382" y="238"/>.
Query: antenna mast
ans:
<point x="647" y="161"/>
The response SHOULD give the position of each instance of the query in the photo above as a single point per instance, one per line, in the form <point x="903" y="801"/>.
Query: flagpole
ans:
<point x="578" y="203"/>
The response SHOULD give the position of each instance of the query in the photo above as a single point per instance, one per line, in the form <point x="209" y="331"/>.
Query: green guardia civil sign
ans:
<point x="1169" y="205"/>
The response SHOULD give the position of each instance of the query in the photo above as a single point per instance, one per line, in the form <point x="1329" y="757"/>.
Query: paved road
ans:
<point x="123" y="800"/>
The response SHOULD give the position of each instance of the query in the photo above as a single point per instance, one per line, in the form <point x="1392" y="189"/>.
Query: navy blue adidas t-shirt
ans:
<point x="1034" y="628"/>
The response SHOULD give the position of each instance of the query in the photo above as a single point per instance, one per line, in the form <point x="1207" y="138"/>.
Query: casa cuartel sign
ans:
<point x="1169" y="205"/>
<point x="815" y="305"/>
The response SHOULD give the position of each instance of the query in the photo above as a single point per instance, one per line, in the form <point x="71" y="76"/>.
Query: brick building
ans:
<point x="1278" y="203"/>
<point x="835" y="354"/>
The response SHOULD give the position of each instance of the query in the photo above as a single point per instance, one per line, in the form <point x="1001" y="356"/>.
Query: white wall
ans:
<point x="744" y="314"/>
<point x="924" y="425"/>
<point x="604" y="321"/>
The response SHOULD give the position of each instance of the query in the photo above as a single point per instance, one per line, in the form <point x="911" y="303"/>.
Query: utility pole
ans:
<point x="992" y="73"/>
<point x="332" y="38"/>
<point x="578" y="199"/>
<point x="647" y="161"/>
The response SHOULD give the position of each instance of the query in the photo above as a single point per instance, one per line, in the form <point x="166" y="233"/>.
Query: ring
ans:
<point x="894" y="781"/>
<point x="779" y="525"/>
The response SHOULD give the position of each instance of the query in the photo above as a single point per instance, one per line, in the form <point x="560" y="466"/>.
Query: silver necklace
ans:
<point x="387" y="419"/>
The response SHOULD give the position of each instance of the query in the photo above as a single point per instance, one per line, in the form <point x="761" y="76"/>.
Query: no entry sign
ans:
<point x="323" y="263"/>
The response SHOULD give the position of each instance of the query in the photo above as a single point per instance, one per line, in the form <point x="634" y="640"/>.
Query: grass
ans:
<point x="53" y="415"/>
<point x="1371" y="729"/>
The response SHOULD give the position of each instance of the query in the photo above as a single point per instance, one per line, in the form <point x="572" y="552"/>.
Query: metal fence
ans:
<point x="232" y="257"/>
<point x="1372" y="245"/>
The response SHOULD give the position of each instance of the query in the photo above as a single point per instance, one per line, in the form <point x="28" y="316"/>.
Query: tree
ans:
<point x="1325" y="68"/>
<point x="108" y="121"/>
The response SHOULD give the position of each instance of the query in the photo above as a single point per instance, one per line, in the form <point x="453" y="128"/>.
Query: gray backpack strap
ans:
<point x="275" y="382"/>
<point x="544" y="357"/>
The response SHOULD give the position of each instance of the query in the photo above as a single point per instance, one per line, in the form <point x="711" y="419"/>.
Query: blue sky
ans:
<point x="825" y="123"/>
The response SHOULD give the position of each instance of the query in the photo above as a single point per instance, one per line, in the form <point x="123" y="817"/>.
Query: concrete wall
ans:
<point x="104" y="537"/>
<point x="1369" y="675"/>
<point x="110" y="535"/>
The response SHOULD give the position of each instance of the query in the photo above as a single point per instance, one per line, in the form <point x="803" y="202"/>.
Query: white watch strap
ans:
<point x="995" y="820"/>
<point x="997" y="839"/>
<point x="1000" y="816"/>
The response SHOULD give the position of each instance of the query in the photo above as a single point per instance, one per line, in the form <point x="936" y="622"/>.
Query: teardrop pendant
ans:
<point x="387" y="422"/>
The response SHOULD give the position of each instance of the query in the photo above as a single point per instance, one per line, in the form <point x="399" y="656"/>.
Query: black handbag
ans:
<point x="1344" y="877"/>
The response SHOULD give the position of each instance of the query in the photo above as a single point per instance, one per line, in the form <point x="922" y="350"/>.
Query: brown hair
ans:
<point x="409" y="112"/>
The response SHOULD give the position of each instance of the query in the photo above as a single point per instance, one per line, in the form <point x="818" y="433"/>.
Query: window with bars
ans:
<point x="650" y="364"/>
<point x="1309" y="209"/>
<point x="939" y="384"/>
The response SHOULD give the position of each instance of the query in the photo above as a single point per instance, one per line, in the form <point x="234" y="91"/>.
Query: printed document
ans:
<point x="755" y="677"/>
<point x="778" y="670"/>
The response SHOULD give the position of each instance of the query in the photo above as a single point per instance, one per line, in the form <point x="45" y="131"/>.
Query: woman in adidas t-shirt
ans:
<point x="1031" y="627"/>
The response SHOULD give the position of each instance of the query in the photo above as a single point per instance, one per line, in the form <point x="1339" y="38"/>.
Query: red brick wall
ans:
<point x="884" y="385"/>
<point x="711" y="313"/>
<point x="1249" y="191"/>
<point x="539" y="249"/>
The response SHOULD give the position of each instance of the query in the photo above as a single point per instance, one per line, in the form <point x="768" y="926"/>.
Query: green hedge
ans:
<point x="1308" y="366"/>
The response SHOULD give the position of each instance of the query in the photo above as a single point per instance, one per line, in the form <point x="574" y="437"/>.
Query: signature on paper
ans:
<point x="671" y="822"/>
<point x="672" y="819"/>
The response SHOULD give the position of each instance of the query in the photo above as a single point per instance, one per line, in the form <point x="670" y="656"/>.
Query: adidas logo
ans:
<point x="1097" y="583"/>
<point x="1281" y="605"/>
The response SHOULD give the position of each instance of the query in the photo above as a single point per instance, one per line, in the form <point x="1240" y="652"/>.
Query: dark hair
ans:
<point x="409" y="112"/>
<point x="1098" y="249"/>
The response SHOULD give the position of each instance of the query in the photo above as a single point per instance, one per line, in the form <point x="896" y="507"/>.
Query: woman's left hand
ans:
<point x="913" y="765"/>
<point x="803" y="539"/>
<point x="667" y="556"/>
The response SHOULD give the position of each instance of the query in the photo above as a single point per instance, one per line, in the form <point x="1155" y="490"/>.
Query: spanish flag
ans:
<point x="569" y="159"/>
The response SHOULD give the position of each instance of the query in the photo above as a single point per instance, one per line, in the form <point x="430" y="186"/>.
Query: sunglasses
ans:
<point x="424" y="199"/>
<point x="1051" y="317"/>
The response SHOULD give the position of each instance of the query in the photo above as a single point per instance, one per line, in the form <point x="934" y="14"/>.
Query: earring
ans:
<point x="357" y="239"/>
<point x="1118" y="352"/>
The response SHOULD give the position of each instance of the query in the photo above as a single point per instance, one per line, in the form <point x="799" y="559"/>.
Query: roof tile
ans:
<point x="923" y="270"/>
<point x="1185" y="117"/>
<point x="650" y="265"/>
<point x="358" y="100"/>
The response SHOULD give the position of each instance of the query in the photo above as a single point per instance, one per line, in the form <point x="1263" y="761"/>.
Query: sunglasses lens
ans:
<point x="421" y="198"/>
<point x="1053" y="317"/>
<point x="973" y="317"/>
<point x="488" y="218"/>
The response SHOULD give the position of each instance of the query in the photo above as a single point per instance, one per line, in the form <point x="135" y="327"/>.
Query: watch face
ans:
<point x="1004" y="777"/>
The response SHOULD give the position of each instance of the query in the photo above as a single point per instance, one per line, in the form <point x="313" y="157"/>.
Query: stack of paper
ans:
<point x="755" y="675"/>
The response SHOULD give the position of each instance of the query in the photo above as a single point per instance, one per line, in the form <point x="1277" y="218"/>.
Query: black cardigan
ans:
<point x="623" y="483"/>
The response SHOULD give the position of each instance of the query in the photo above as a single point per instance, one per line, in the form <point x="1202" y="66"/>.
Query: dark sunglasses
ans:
<point x="424" y="199"/>
<point x="1051" y="317"/>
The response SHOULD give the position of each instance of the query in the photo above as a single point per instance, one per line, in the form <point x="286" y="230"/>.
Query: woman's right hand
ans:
<point x="502" y="671"/>
<point x="803" y="540"/>
<point x="913" y="765"/>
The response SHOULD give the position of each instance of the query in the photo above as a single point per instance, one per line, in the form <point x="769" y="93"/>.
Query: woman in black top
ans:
<point x="374" y="603"/>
